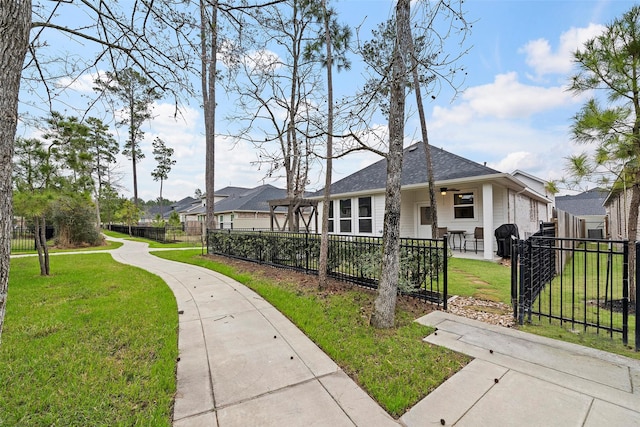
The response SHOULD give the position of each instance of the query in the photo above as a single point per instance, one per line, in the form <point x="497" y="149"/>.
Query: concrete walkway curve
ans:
<point x="242" y="363"/>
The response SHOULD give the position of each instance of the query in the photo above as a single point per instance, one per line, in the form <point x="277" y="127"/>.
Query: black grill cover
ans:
<point x="503" y="236"/>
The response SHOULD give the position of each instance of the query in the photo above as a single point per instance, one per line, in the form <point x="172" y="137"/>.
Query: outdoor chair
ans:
<point x="478" y="235"/>
<point x="442" y="231"/>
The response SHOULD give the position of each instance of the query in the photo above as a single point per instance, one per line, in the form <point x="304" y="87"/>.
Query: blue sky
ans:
<point x="514" y="112"/>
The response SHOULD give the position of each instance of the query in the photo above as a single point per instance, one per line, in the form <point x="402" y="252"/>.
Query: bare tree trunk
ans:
<point x="15" y="21"/>
<point x="134" y="158"/>
<point x="425" y="139"/>
<point x="324" y="237"/>
<point x="209" y="33"/>
<point x="385" y="304"/>
<point x="41" y="245"/>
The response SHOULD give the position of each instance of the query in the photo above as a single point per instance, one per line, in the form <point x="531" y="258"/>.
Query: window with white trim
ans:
<point x="345" y="216"/>
<point x="365" y="219"/>
<point x="463" y="206"/>
<point x="331" y="216"/>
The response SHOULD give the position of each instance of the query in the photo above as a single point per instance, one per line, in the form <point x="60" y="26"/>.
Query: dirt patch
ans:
<point x="616" y="306"/>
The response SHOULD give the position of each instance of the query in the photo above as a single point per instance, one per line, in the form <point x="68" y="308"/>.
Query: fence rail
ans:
<point x="423" y="272"/>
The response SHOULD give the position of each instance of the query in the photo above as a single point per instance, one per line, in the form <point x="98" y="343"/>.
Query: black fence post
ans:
<point x="515" y="252"/>
<point x="625" y="293"/>
<point x="637" y="316"/>
<point x="445" y="277"/>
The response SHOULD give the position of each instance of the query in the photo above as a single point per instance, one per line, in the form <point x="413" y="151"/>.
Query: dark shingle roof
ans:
<point x="230" y="191"/>
<point x="446" y="166"/>
<point x="588" y="203"/>
<point x="253" y="199"/>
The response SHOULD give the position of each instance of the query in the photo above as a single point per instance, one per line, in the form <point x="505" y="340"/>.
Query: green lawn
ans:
<point x="394" y="366"/>
<point x="480" y="279"/>
<point x="95" y="344"/>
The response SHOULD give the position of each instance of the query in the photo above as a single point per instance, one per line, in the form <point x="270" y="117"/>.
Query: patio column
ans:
<point x="487" y="220"/>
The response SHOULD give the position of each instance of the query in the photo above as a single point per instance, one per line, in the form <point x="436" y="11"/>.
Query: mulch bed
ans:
<point x="416" y="307"/>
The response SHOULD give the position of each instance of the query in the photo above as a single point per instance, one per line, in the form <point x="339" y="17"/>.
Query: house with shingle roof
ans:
<point x="469" y="196"/>
<point x="248" y="208"/>
<point x="588" y="207"/>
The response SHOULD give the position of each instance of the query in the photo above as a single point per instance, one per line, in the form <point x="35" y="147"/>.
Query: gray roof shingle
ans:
<point x="589" y="202"/>
<point x="446" y="166"/>
<point x="253" y="199"/>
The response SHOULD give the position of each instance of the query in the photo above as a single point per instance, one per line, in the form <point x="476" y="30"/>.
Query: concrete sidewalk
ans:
<point x="242" y="363"/>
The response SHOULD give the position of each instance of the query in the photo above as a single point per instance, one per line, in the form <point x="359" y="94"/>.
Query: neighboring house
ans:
<point x="588" y="208"/>
<point x="469" y="195"/>
<point x="151" y="212"/>
<point x="247" y="208"/>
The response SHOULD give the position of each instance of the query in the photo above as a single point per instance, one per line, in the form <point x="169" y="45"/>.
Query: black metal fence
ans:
<point x="23" y="239"/>
<point x="581" y="283"/>
<point x="152" y="233"/>
<point x="180" y="234"/>
<point x="423" y="271"/>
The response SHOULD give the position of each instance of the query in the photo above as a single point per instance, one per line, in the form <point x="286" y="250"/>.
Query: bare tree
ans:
<point x="278" y="92"/>
<point x="335" y="38"/>
<point x="385" y="304"/>
<point x="400" y="63"/>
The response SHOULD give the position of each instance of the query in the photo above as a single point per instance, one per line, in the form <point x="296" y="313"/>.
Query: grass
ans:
<point x="484" y="280"/>
<point x="93" y="344"/>
<point x="395" y="367"/>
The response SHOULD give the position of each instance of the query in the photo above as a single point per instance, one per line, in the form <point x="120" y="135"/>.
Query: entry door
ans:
<point x="424" y="221"/>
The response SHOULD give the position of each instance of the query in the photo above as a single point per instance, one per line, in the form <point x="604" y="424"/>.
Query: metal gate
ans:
<point x="581" y="283"/>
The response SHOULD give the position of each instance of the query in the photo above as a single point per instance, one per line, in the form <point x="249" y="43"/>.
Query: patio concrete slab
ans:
<point x="521" y="400"/>
<point x="608" y="414"/>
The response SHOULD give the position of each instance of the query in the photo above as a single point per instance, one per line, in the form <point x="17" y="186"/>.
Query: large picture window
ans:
<point x="345" y="216"/>
<point x="365" y="223"/>
<point x="463" y="205"/>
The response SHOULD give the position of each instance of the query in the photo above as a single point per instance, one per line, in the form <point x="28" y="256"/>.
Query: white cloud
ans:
<point x="544" y="61"/>
<point x="82" y="84"/>
<point x="505" y="98"/>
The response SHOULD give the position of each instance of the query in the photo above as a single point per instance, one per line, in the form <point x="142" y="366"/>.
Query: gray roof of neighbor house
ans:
<point x="230" y="191"/>
<point x="183" y="203"/>
<point x="591" y="202"/>
<point x="446" y="166"/>
<point x="251" y="199"/>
